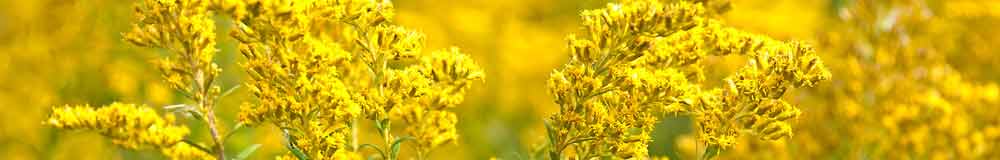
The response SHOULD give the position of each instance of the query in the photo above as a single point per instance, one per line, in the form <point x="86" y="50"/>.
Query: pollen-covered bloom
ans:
<point x="319" y="68"/>
<point x="128" y="125"/>
<point x="638" y="60"/>
<point x="186" y="30"/>
<point x="294" y="74"/>
<point x="447" y="74"/>
<point x="750" y="99"/>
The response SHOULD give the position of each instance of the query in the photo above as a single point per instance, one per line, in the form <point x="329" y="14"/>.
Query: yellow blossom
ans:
<point x="128" y="125"/>
<point x="640" y="58"/>
<point x="318" y="68"/>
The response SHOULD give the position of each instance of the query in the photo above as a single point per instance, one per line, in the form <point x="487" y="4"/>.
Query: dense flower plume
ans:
<point x="321" y="84"/>
<point x="640" y="58"/>
<point x="130" y="126"/>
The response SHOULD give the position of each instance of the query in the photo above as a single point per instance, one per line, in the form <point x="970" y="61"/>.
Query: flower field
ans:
<point x="512" y="79"/>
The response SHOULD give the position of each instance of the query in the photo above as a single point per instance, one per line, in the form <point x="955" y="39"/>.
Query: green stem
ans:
<point x="204" y="84"/>
<point x="354" y="134"/>
<point x="554" y="155"/>
<point x="196" y="145"/>
<point x="388" y="140"/>
<point x="711" y="152"/>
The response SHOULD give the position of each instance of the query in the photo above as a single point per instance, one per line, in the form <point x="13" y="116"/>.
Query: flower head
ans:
<point x="639" y="58"/>
<point x="319" y="67"/>
<point x="128" y="125"/>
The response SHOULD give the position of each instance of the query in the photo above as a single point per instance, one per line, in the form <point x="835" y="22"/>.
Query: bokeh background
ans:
<point x="913" y="79"/>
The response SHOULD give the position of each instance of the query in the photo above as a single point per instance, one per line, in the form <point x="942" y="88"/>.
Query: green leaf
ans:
<point x="291" y="146"/>
<point x="229" y="91"/>
<point x="551" y="132"/>
<point x="298" y="153"/>
<point x="379" y="126"/>
<point x="185" y="109"/>
<point x="554" y="150"/>
<point x="383" y="126"/>
<point x="381" y="153"/>
<point x="238" y="126"/>
<point x="247" y="151"/>
<point x="373" y="157"/>
<point x="397" y="143"/>
<point x="711" y="152"/>
<point x="196" y="145"/>
<point x="177" y="107"/>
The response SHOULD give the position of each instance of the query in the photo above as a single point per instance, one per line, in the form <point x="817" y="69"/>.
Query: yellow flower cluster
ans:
<point x="751" y="98"/>
<point x="127" y="125"/>
<point x="130" y="126"/>
<point x="640" y="58"/>
<point x="320" y="67"/>
<point x="186" y="30"/>
<point x="317" y="68"/>
<point x="443" y="76"/>
<point x="295" y="73"/>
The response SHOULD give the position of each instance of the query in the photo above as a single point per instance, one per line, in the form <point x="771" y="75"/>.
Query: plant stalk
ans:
<point x="219" y="149"/>
<point x="209" y="108"/>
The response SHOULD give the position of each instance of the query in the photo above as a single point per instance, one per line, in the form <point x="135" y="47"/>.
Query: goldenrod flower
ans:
<point x="451" y="73"/>
<point x="128" y="125"/>
<point x="639" y="58"/>
<point x="186" y="30"/>
<point x="295" y="75"/>
<point x="319" y="82"/>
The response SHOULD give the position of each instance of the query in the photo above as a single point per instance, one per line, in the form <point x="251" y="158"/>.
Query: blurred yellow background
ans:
<point x="912" y="79"/>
